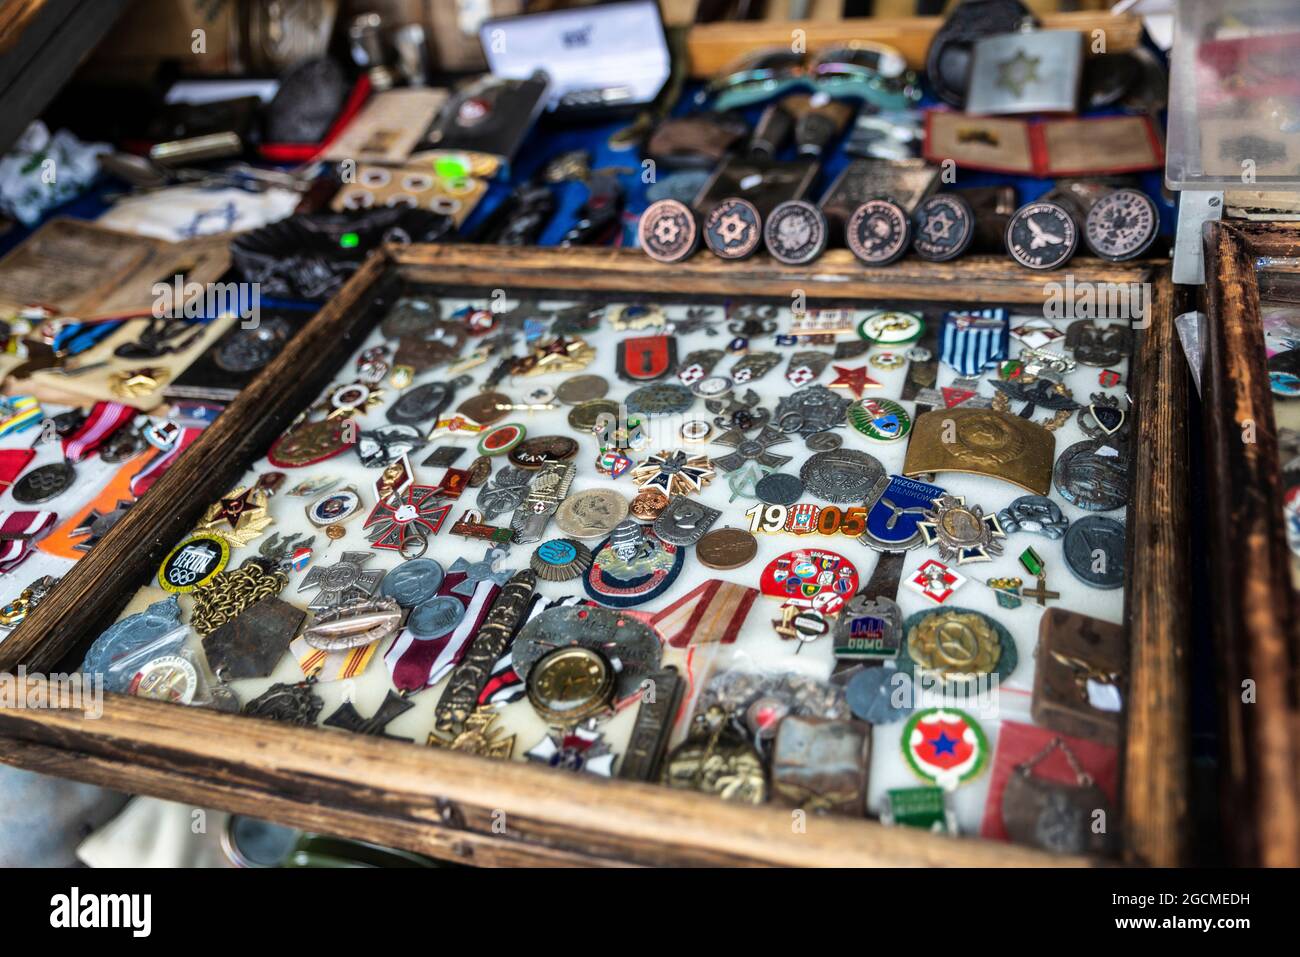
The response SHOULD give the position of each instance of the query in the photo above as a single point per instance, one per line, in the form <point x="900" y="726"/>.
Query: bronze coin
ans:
<point x="582" y="388"/>
<point x="586" y="416"/>
<point x="534" y="453"/>
<point x="725" y="548"/>
<point x="668" y="232"/>
<point x="479" y="471"/>
<point x="483" y="408"/>
<point x="647" y="504"/>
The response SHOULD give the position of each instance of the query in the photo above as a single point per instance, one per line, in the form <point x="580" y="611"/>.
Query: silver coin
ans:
<point x="823" y="441"/>
<point x="1088" y="476"/>
<point x="778" y="489"/>
<point x="841" y="476"/>
<point x="1094" y="550"/>
<point x="436" y="617"/>
<point x="413" y="583"/>
<point x="44" y="483"/>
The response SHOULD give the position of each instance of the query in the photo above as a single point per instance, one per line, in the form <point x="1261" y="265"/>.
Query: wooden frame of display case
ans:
<point x="1257" y="615"/>
<point x="445" y="804"/>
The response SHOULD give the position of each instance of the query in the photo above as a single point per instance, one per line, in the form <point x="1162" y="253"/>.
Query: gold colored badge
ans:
<point x="954" y="645"/>
<point x="982" y="442"/>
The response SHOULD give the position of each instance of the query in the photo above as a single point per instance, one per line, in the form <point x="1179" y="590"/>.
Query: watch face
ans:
<point x="795" y="232"/>
<point x="878" y="232"/>
<point x="571" y="684"/>
<point x="1041" y="235"/>
<point x="1122" y="225"/>
<point x="668" y="231"/>
<point x="944" y="227"/>
<point x="733" y="228"/>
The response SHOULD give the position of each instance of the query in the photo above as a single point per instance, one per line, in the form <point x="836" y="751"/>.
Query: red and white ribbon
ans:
<point x="18" y="532"/>
<point x="104" y="419"/>
<point x="417" y="663"/>
<point x="161" y="462"/>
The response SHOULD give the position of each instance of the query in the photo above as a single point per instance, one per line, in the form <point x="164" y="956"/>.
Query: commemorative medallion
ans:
<point x="1093" y="475"/>
<point x="842" y="476"/>
<point x="661" y="398"/>
<point x="532" y="454"/>
<point x="412" y="583"/>
<point x="733" y="229"/>
<point x="581" y="388"/>
<point x="44" y="483"/>
<point x="1122" y="225"/>
<point x="193" y="563"/>
<point x="1094" y="551"/>
<point x="420" y="404"/>
<point x="891" y="328"/>
<point x="632" y="566"/>
<point x="684" y="521"/>
<point x="795" y="232"/>
<point x="778" y="488"/>
<point x="592" y="513"/>
<point x="878" y="232"/>
<point x="726" y="548"/>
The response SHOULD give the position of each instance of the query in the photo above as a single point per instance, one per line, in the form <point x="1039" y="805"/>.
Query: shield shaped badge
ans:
<point x="898" y="504"/>
<point x="646" y="358"/>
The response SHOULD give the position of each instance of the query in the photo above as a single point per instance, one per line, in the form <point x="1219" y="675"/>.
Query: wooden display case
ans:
<point x="451" y="805"/>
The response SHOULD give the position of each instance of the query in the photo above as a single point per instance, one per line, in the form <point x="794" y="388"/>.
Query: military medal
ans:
<point x="1095" y="344"/>
<point x="347" y="718"/>
<point x="1092" y="475"/>
<point x="44" y="483"/>
<point x="1033" y="392"/>
<point x="674" y="473"/>
<point x="578" y="750"/>
<point x="1094" y="551"/>
<point x="726" y="548"/>
<point x="632" y="566"/>
<point x="945" y="746"/>
<point x="547" y="489"/>
<point x="755" y="449"/>
<point x="193" y="563"/>
<point x="295" y="704"/>
<point x="958" y="646"/>
<point x="353" y="624"/>
<point x="963" y="533"/>
<point x="970" y="341"/>
<point x="311" y="442"/>
<point x="812" y="409"/>
<point x="1033" y="563"/>
<point x="418" y="512"/>
<point x="342" y="581"/>
<point x="560" y="559"/>
<point x="126" y="636"/>
<point x="897" y="505"/>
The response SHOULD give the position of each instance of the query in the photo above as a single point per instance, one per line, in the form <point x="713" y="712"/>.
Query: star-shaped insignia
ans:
<point x="341" y="581"/>
<point x="732" y="228"/>
<point x="1019" y="72"/>
<point x="673" y="473"/>
<point x="939" y="226"/>
<point x="855" y="380"/>
<point x="238" y="518"/>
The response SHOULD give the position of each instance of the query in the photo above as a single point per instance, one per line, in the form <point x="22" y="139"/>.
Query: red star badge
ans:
<point x="855" y="380"/>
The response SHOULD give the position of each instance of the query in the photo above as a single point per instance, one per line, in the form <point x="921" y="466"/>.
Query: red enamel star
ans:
<point x="855" y="380"/>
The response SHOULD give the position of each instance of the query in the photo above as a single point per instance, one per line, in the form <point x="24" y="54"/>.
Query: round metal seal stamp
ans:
<point x="878" y="232"/>
<point x="44" y="483"/>
<point x="944" y="227"/>
<point x="668" y="232"/>
<point x="1122" y="225"/>
<point x="881" y="420"/>
<point x="1041" y="235"/>
<point x="413" y="582"/>
<point x="560" y="560"/>
<point x="1094" y="551"/>
<point x="795" y="232"/>
<point x="193" y="563"/>
<point x="891" y="327"/>
<point x="733" y="229"/>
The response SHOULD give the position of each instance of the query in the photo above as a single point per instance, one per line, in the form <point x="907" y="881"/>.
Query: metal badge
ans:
<point x="171" y="678"/>
<point x="957" y="645"/>
<point x="1036" y="71"/>
<point x="381" y="447"/>
<point x="1035" y="392"/>
<point x="897" y="505"/>
<point x="1095" y="344"/>
<point x="778" y="488"/>
<point x="342" y="581"/>
<point x="755" y="449"/>
<point x="416" y="513"/>
<point x="646" y="358"/>
<point x="661" y="695"/>
<point x="1093" y="475"/>
<point x="805" y="368"/>
<point x="717" y="759"/>
<point x="935" y="580"/>
<point x="504" y="492"/>
<point x="311" y="442"/>
<point x="674" y="473"/>
<point x="841" y="476"/>
<point x="479" y="737"/>
<point x="591" y="514"/>
<point x="795" y="232"/>
<point x="532" y="454"/>
<point x="420" y="404"/>
<point x="291" y="703"/>
<point x="1122" y="225"/>
<point x="668" y="232"/>
<point x="963" y="533"/>
<point x="413" y="583"/>
<point x="685" y="521"/>
<point x="459" y="698"/>
<point x="741" y="412"/>
<point x="250" y="644"/>
<point x="578" y="750"/>
<point x="435" y="617"/>
<point x="945" y="746"/>
<point x="44" y="483"/>
<point x="698" y="364"/>
<point x="1094" y="551"/>
<point x="753" y="366"/>
<point x="1034" y="513"/>
<point x="352" y="624"/>
<point x="581" y="388"/>
<point x="881" y="420"/>
<point x="193" y="563"/>
<point x="1041" y="235"/>
<point x="560" y="354"/>
<point x="334" y="507"/>
<point x="812" y="409"/>
<point x="878" y="232"/>
<point x="547" y="489"/>
<point x="632" y="566"/>
<point x="560" y="560"/>
<point x="868" y="629"/>
<point x="662" y="398"/>
<point x="1103" y="416"/>
<point x="126" y="636"/>
<point x="982" y="442"/>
